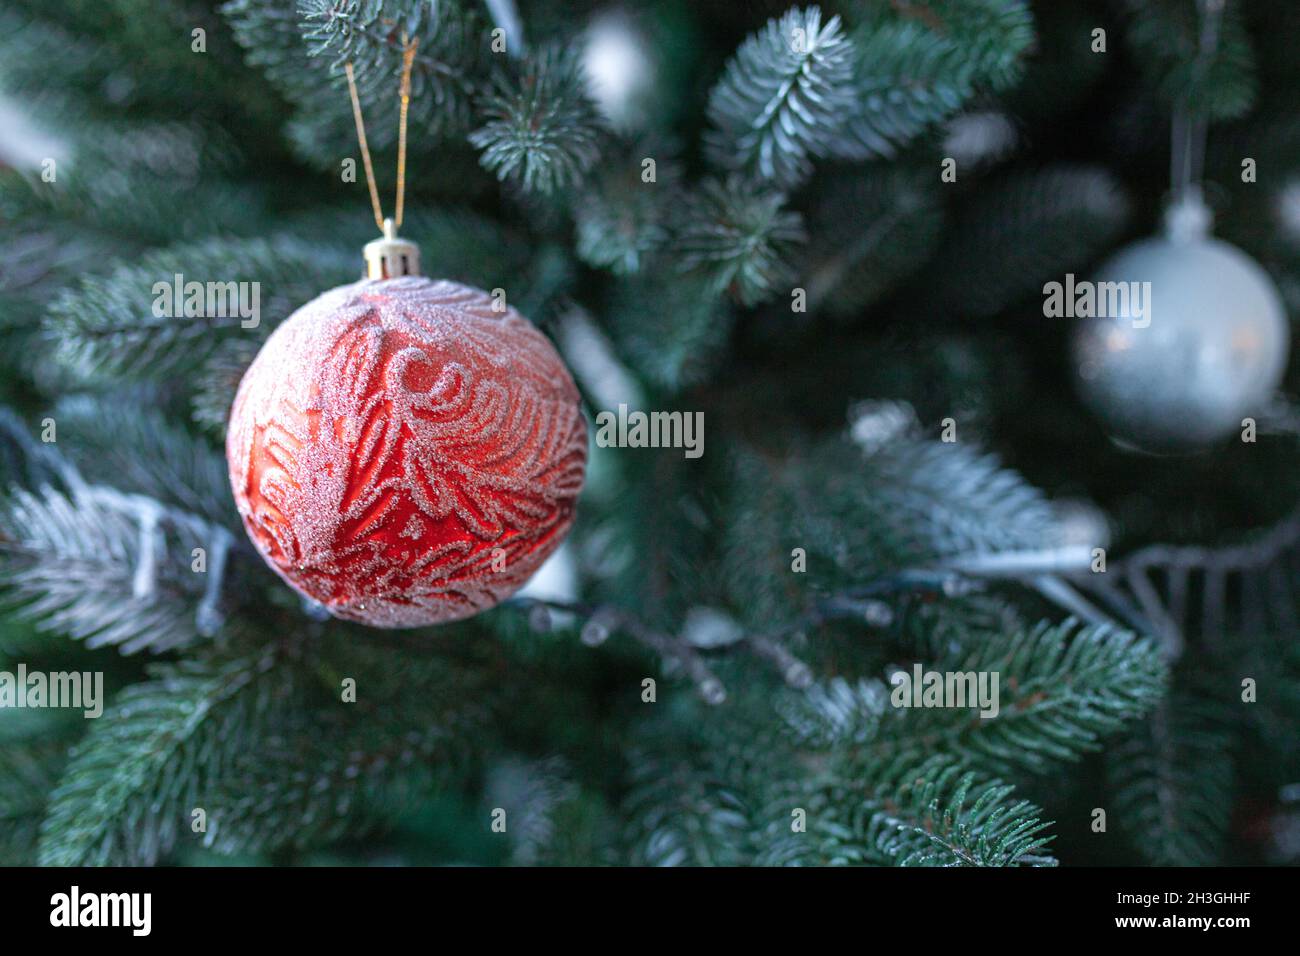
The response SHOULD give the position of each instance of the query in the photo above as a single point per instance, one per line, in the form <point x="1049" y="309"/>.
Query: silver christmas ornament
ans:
<point x="1178" y="338"/>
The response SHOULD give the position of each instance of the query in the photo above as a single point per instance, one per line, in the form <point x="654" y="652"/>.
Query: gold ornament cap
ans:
<point x="391" y="256"/>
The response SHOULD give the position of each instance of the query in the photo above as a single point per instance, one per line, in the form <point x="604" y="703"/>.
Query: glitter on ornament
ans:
<point x="406" y="451"/>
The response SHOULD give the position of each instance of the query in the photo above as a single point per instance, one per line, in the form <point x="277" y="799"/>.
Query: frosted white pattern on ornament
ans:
<point x="404" y="453"/>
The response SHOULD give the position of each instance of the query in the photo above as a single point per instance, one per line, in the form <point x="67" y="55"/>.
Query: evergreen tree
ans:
<point x="751" y="221"/>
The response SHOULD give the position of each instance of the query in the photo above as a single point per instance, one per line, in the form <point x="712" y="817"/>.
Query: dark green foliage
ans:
<point x="68" y="563"/>
<point x="315" y="772"/>
<point x="24" y="462"/>
<point x="995" y="254"/>
<point x="624" y="219"/>
<point x="1272" y="660"/>
<point x="303" y="50"/>
<point x="1172" y="778"/>
<point x="919" y="810"/>
<point x="684" y="817"/>
<point x="650" y="540"/>
<point x="561" y="824"/>
<point x="738" y="239"/>
<point x="1061" y="67"/>
<point x="834" y="713"/>
<point x="38" y="260"/>
<point x="134" y="780"/>
<point x="782" y="98"/>
<point x="907" y="81"/>
<point x="30" y="46"/>
<point x="71" y="552"/>
<point x="940" y="816"/>
<point x="869" y="231"/>
<point x="699" y="797"/>
<point x="996" y="35"/>
<point x="947" y="629"/>
<point x="132" y="446"/>
<point x="216" y="383"/>
<point x="127" y="60"/>
<point x="672" y="331"/>
<point x="1170" y="43"/>
<point x="759" y="793"/>
<point x="28" y="772"/>
<point x="794" y="265"/>
<point x="362" y="32"/>
<point x="1062" y="692"/>
<point x="109" y="327"/>
<point x="542" y="131"/>
<point x="265" y="750"/>
<point x="915" y="66"/>
<point x="914" y="504"/>
<point x="158" y="167"/>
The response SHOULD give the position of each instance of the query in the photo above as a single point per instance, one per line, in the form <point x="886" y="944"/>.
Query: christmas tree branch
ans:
<point x="782" y="98"/>
<point x="603" y="619"/>
<point x="166" y="736"/>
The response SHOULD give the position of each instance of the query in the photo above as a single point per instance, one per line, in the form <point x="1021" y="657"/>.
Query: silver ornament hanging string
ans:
<point x="1189" y="126"/>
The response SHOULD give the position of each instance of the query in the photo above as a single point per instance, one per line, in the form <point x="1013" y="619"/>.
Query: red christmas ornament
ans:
<point x="406" y="451"/>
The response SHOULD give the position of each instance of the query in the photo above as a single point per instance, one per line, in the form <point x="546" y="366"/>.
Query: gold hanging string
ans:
<point x="365" y="149"/>
<point x="408" y="59"/>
